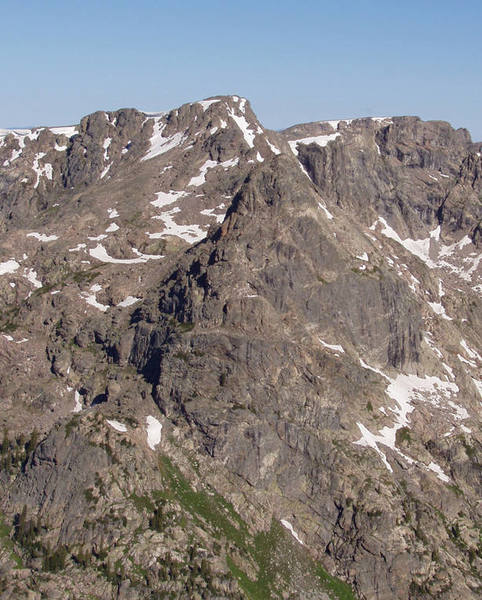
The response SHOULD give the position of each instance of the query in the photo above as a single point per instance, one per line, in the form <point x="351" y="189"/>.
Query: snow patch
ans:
<point x="210" y="164"/>
<point x="20" y="135"/>
<point x="9" y="266"/>
<point x="68" y="131"/>
<point x="78" y="248"/>
<point x="100" y="253"/>
<point x="166" y="198"/>
<point x="243" y="125"/>
<point x="428" y="340"/>
<point x="207" y="103"/>
<point x="112" y="227"/>
<point x="147" y="256"/>
<point x="440" y="474"/>
<point x="117" y="425"/>
<point x="41" y="237"/>
<point x="158" y="143"/>
<point x="478" y="385"/>
<point x="334" y="347"/>
<point x="129" y="301"/>
<point x="273" y="148"/>
<point x="289" y="527"/>
<point x="189" y="233"/>
<point x="31" y="275"/>
<point x="209" y="213"/>
<point x="420" y="248"/>
<point x="377" y="371"/>
<point x="387" y="120"/>
<point x="471" y="353"/>
<point x="106" y="145"/>
<point x="78" y="404"/>
<point x="432" y="252"/>
<point x="404" y="390"/>
<point x="323" y="208"/>
<point x="320" y="140"/>
<point x="438" y="309"/>
<point x="154" y="429"/>
<point x="46" y="170"/>
<point x="92" y="300"/>
<point x="467" y="362"/>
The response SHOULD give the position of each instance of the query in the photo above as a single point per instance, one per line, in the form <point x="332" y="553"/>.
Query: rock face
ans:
<point x="239" y="363"/>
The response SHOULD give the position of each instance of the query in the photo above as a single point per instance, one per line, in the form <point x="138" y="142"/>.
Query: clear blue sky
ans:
<point x="295" y="61"/>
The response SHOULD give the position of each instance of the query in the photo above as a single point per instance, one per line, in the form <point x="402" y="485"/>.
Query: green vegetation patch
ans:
<point x="271" y="554"/>
<point x="205" y="507"/>
<point x="7" y="544"/>
<point x="335" y="587"/>
<point x="403" y="435"/>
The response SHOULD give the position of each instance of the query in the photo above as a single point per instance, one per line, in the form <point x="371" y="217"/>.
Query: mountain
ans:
<point x="240" y="363"/>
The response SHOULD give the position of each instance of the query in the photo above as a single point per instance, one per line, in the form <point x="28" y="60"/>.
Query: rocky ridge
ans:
<point x="236" y="360"/>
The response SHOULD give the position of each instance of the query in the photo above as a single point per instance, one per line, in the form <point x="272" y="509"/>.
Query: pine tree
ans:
<point x="20" y="525"/>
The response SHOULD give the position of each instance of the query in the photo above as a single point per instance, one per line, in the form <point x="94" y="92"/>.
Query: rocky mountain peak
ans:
<point x="239" y="363"/>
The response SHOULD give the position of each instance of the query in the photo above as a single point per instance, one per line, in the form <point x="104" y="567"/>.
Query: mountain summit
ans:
<point x="239" y="363"/>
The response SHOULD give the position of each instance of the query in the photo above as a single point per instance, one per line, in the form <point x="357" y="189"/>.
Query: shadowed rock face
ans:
<point x="295" y="314"/>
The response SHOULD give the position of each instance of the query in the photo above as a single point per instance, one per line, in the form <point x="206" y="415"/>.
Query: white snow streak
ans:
<point x="471" y="353"/>
<point x="274" y="149"/>
<point x="334" y="347"/>
<point x="68" y="131"/>
<point x="289" y="527"/>
<point x="207" y="103"/>
<point x="320" y="140"/>
<point x="440" y="474"/>
<point x="158" y="143"/>
<point x="243" y="124"/>
<point x="323" y="207"/>
<point x="78" y="403"/>
<point x="117" y="425"/>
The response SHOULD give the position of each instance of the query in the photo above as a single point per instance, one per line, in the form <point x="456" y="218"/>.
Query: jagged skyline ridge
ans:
<point x="296" y="64"/>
